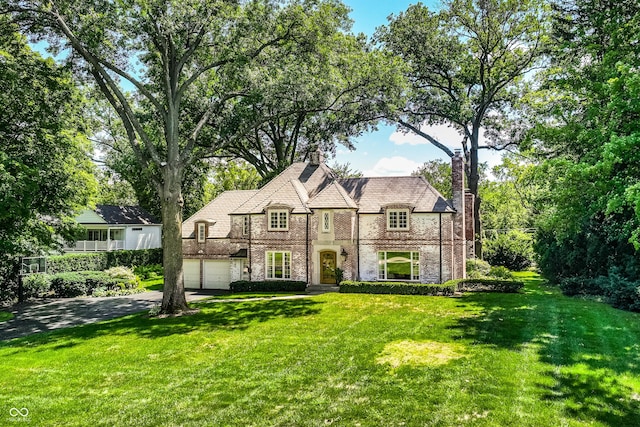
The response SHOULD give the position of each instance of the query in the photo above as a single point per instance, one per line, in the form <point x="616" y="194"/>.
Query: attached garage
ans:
<point x="191" y="268"/>
<point x="217" y="274"/>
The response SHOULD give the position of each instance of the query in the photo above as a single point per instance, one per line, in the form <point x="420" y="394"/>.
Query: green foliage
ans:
<point x="397" y="288"/>
<point x="582" y="286"/>
<point x="339" y="273"/>
<point x="343" y="170"/>
<point x="231" y="175"/>
<point x="80" y="283"/>
<point x="512" y="249"/>
<point x="103" y="260"/>
<point x="69" y="285"/>
<point x="268" y="286"/>
<point x="617" y="290"/>
<point x="477" y="268"/>
<point x="149" y="272"/>
<point x="36" y="285"/>
<point x="45" y="170"/>
<point x="486" y="285"/>
<point x="438" y="174"/>
<point x="500" y="272"/>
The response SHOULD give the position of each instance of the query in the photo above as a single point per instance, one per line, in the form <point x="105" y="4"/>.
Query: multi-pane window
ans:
<point x="399" y="265"/>
<point x="398" y="219"/>
<point x="98" y="235"/>
<point x="278" y="220"/>
<point x="278" y="265"/>
<point x="202" y="232"/>
<point x="326" y="222"/>
<point x="245" y="225"/>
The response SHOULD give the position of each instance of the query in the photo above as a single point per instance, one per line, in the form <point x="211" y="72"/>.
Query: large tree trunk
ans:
<point x="173" y="299"/>
<point x="474" y="178"/>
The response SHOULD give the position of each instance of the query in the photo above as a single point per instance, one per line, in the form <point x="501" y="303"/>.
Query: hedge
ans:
<point x="268" y="286"/>
<point x="399" y="288"/>
<point x="100" y="261"/>
<point x="79" y="283"/>
<point x="486" y="285"/>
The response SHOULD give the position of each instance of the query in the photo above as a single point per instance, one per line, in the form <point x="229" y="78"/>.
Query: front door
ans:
<point x="328" y="267"/>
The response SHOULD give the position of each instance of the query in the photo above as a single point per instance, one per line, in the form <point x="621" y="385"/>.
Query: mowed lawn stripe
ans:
<point x="530" y="359"/>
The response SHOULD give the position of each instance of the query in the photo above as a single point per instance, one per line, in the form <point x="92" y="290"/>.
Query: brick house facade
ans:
<point x="306" y="222"/>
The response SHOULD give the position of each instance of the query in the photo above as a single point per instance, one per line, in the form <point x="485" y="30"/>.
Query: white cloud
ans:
<point x="393" y="166"/>
<point x="445" y="134"/>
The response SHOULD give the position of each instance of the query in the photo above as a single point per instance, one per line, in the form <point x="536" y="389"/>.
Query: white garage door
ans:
<point x="217" y="274"/>
<point x="191" y="268"/>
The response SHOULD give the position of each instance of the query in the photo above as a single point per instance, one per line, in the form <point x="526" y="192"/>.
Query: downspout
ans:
<point x="249" y="250"/>
<point x="358" y="246"/>
<point x="307" y="249"/>
<point x="440" y="228"/>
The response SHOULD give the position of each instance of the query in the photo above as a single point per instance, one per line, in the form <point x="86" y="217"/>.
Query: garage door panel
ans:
<point x="217" y="274"/>
<point x="191" y="269"/>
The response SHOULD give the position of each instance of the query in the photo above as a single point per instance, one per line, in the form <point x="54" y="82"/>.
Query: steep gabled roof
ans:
<point x="217" y="213"/>
<point x="373" y="194"/>
<point x="333" y="196"/>
<point x="293" y="188"/>
<point x="125" y="215"/>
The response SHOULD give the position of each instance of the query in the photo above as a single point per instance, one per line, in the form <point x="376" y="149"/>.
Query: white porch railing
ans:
<point x="95" y="246"/>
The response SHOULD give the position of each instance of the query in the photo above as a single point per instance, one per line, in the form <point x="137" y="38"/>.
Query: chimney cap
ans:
<point x="458" y="152"/>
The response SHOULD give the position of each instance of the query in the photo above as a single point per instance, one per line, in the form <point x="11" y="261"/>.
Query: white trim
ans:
<point x="281" y="221"/>
<point x="414" y="262"/>
<point x="201" y="232"/>
<point x="397" y="219"/>
<point x="270" y="265"/>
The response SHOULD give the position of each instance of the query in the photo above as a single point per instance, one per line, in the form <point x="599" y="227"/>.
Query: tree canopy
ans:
<point x="466" y="68"/>
<point x="45" y="171"/>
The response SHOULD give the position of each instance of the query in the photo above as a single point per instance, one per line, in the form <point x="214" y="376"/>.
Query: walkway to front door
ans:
<point x="328" y="269"/>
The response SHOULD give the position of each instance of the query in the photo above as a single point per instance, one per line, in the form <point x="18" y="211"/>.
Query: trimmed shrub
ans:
<point x="36" y="285"/>
<point x="154" y="271"/>
<point x="477" y="268"/>
<point x="500" y="272"/>
<point x="486" y="285"/>
<point x="124" y="275"/>
<point x="583" y="286"/>
<point x="76" y="262"/>
<point x="268" y="286"/>
<point x="103" y="260"/>
<point x="69" y="285"/>
<point x="513" y="250"/>
<point x="398" y="288"/>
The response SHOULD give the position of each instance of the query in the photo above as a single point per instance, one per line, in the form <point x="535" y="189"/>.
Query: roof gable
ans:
<point x="217" y="213"/>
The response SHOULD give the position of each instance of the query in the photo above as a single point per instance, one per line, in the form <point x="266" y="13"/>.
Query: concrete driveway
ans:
<point x="50" y="314"/>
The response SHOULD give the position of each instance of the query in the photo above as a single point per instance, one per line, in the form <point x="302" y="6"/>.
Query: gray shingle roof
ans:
<point x="125" y="215"/>
<point x="373" y="194"/>
<point x="218" y="211"/>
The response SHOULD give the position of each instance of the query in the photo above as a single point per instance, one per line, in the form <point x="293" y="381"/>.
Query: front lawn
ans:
<point x="531" y="359"/>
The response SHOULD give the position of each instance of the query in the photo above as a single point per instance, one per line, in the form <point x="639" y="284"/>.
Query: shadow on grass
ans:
<point x="211" y="317"/>
<point x="587" y="346"/>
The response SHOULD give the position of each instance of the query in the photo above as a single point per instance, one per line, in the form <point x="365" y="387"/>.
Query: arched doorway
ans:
<point x="328" y="267"/>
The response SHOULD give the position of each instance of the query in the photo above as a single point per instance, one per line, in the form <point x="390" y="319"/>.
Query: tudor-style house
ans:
<point x="307" y="222"/>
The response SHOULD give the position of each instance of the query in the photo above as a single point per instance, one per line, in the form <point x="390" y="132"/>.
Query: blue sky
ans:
<point x="387" y="152"/>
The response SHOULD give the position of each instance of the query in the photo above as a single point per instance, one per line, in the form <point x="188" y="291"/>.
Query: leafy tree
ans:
<point x="231" y="175"/>
<point x="588" y="134"/>
<point x="112" y="190"/>
<point x="45" y="172"/>
<point x="336" y="87"/>
<point x="343" y="170"/>
<point x="186" y="61"/>
<point x="438" y="174"/>
<point x="467" y="64"/>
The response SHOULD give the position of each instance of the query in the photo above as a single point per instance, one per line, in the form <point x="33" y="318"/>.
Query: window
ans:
<point x="326" y="222"/>
<point x="245" y="225"/>
<point x="97" y="235"/>
<point x="398" y="219"/>
<point x="279" y="219"/>
<point x="202" y="232"/>
<point x="278" y="265"/>
<point x="399" y="266"/>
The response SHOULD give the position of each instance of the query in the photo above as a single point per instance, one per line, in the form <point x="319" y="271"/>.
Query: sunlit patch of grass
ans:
<point x="417" y="353"/>
<point x="5" y="315"/>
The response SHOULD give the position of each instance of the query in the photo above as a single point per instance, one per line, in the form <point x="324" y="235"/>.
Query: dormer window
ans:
<point x="278" y="219"/>
<point x="397" y="219"/>
<point x="201" y="232"/>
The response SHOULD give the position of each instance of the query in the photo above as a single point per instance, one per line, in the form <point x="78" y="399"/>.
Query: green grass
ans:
<point x="530" y="359"/>
<point x="5" y="315"/>
<point x="155" y="284"/>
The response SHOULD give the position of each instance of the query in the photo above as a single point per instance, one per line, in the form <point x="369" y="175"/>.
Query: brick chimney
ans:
<point x="458" y="200"/>
<point x="316" y="158"/>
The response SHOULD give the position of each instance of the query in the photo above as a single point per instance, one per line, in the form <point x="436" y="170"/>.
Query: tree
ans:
<point x="231" y="175"/>
<point x="586" y="135"/>
<point x="336" y="87"/>
<point x="438" y="174"/>
<point x="180" y="57"/>
<point x="343" y="170"/>
<point x="467" y="65"/>
<point x="45" y="171"/>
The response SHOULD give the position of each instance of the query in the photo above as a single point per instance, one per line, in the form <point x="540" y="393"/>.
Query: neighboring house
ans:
<point x="111" y="228"/>
<point x="306" y="222"/>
